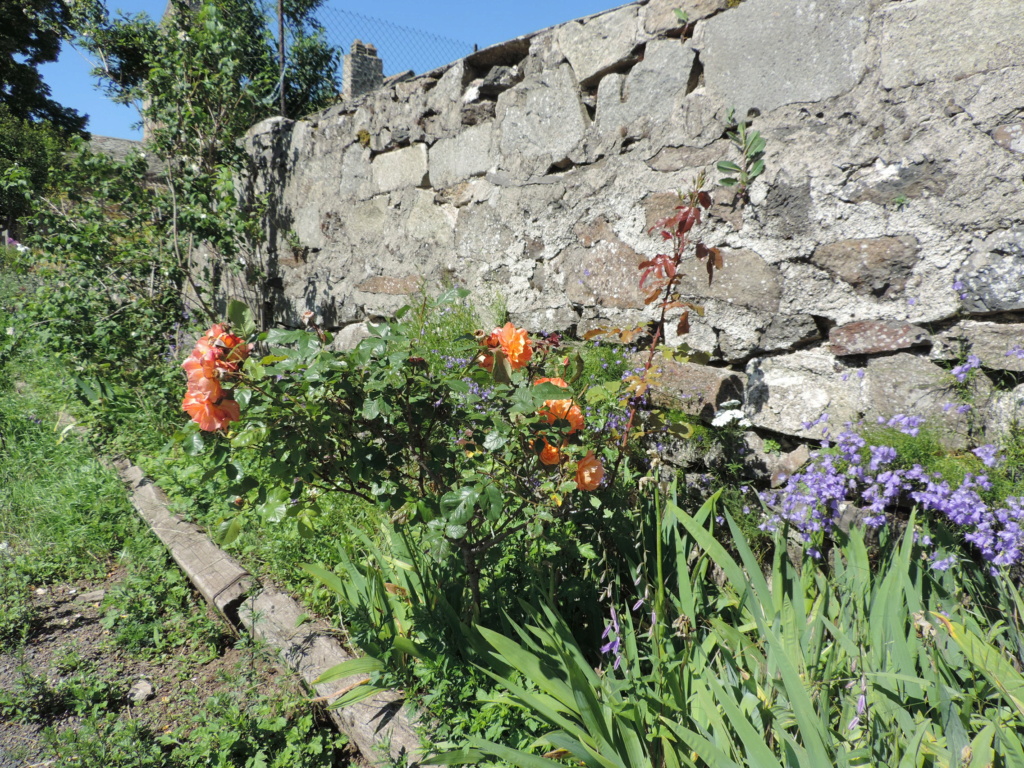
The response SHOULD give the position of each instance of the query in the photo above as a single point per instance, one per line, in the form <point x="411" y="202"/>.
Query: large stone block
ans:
<point x="919" y="45"/>
<point x="767" y="53"/>
<point x="599" y="44"/>
<point x="908" y="384"/>
<point x="1005" y="411"/>
<point x="604" y="274"/>
<point x="645" y="102"/>
<point x="541" y="123"/>
<point x="461" y="157"/>
<point x="400" y="168"/>
<point x="995" y="344"/>
<point x="746" y="280"/>
<point x="356" y="179"/>
<point x="788" y="394"/>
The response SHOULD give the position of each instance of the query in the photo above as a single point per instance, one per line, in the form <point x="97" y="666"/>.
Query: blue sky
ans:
<point x="469" y="21"/>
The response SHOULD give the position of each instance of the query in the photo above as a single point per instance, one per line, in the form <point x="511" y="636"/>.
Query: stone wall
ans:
<point x="883" y="243"/>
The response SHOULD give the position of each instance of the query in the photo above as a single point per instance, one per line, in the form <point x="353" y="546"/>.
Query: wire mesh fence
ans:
<point x="400" y="48"/>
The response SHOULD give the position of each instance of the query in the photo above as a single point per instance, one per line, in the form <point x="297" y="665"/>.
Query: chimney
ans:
<point x="362" y="70"/>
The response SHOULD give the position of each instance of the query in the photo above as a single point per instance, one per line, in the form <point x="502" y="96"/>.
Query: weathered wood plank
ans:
<point x="378" y="726"/>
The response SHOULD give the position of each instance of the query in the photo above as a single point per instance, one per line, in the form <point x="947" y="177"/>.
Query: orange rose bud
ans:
<point x="589" y="472"/>
<point x="550" y="455"/>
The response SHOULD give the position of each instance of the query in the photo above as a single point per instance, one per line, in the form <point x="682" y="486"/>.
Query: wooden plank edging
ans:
<point x="379" y="726"/>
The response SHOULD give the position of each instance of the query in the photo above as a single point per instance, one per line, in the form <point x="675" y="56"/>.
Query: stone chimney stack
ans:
<point x="362" y="70"/>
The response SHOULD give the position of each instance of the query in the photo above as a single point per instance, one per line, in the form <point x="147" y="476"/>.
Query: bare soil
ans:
<point x="66" y="626"/>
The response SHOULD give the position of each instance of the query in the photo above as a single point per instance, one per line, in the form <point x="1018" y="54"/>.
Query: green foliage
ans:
<point x="110" y="292"/>
<point x="379" y="424"/>
<point x="36" y="699"/>
<point x="750" y="145"/>
<point x="27" y="152"/>
<point x="154" y="608"/>
<point x="874" y="666"/>
<point x="16" y="613"/>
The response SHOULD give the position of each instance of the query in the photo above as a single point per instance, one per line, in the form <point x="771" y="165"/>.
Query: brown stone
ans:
<point x="877" y="266"/>
<point x="1010" y="136"/>
<point x="745" y="280"/>
<point x="695" y="389"/>
<point x="593" y="231"/>
<point x="604" y="275"/>
<point x="672" y="159"/>
<point x="868" y="337"/>
<point x="391" y="286"/>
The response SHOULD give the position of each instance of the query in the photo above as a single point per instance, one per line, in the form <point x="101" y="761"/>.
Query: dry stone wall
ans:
<point x="883" y="243"/>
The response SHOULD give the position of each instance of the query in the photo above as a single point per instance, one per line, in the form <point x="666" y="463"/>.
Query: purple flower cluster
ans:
<point x="812" y="500"/>
<point x="614" y="645"/>
<point x="961" y="371"/>
<point x="451" y="361"/>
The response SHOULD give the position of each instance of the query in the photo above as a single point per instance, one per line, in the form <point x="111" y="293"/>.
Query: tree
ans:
<point x="27" y="152"/>
<point x="29" y="36"/>
<point x="130" y="48"/>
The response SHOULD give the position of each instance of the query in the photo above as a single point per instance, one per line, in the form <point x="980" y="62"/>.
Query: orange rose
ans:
<point x="514" y="344"/>
<point x="567" y="410"/>
<point x="209" y="414"/>
<point x="589" y="472"/>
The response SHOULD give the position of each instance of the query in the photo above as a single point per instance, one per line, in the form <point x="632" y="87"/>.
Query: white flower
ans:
<point x="724" y="418"/>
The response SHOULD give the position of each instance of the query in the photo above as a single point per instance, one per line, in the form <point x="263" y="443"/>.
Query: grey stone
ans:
<point x="670" y="159"/>
<point x="918" y="44"/>
<point x="868" y="337"/>
<point x="649" y="100"/>
<point x="1004" y="412"/>
<point x="896" y="183"/>
<point x="456" y="159"/>
<point x="789" y="331"/>
<point x="767" y="53"/>
<point x="499" y="79"/>
<point x="606" y="274"/>
<point x="995" y="344"/>
<point x="356" y="179"/>
<point x="994" y="279"/>
<point x="787" y="394"/>
<point x="908" y="384"/>
<point x="877" y="266"/>
<point x="600" y="43"/>
<point x="141" y="690"/>
<point x="400" y="168"/>
<point x="775" y="467"/>
<point x="348" y="338"/>
<point x="95" y="596"/>
<point x="746" y="280"/>
<point x="525" y="116"/>
<point x="788" y="208"/>
<point x="659" y="16"/>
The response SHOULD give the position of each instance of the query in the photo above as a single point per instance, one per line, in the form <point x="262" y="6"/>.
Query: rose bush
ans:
<point x="476" y="455"/>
